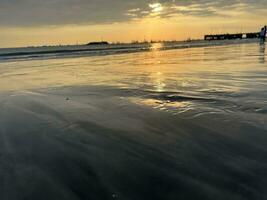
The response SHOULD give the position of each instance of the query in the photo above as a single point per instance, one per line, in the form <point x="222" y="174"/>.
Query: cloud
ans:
<point x="53" y="12"/>
<point x="63" y="12"/>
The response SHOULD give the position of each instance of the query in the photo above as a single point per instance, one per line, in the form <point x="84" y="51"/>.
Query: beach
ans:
<point x="157" y="123"/>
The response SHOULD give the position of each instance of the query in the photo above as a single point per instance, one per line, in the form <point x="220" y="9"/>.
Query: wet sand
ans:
<point x="150" y="139"/>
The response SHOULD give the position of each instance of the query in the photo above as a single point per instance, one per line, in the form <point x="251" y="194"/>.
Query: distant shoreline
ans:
<point x="135" y="43"/>
<point x="71" y="51"/>
<point x="109" y="43"/>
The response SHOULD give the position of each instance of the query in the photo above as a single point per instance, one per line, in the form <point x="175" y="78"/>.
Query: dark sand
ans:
<point x="89" y="143"/>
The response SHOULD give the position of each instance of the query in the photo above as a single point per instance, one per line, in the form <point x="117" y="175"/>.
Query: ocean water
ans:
<point x="147" y="121"/>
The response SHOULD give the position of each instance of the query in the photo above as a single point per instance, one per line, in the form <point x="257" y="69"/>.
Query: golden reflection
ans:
<point x="168" y="106"/>
<point x="156" y="46"/>
<point x="158" y="78"/>
<point x="160" y="85"/>
<point x="158" y="81"/>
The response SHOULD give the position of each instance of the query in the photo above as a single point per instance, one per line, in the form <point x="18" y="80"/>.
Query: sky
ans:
<point x="54" y="22"/>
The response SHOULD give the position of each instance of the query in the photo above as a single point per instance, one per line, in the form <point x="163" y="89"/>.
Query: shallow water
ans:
<point x="170" y="124"/>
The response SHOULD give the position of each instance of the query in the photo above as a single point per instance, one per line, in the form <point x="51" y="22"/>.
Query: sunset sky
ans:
<point x="39" y="22"/>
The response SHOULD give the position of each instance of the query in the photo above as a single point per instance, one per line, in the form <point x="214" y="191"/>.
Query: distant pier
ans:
<point x="232" y="36"/>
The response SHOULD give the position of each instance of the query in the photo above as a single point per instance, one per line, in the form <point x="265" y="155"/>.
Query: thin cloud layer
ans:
<point x="64" y="12"/>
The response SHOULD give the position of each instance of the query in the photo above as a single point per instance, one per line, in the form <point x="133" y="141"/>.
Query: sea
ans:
<point x="159" y="121"/>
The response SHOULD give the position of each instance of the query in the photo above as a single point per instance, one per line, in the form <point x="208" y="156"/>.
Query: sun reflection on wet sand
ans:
<point x="172" y="107"/>
<point x="158" y="80"/>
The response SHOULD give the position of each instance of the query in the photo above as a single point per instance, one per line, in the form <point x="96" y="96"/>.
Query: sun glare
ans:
<point x="156" y="7"/>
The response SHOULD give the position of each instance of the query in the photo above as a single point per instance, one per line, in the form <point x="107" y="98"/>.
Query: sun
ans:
<point x="156" y="7"/>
